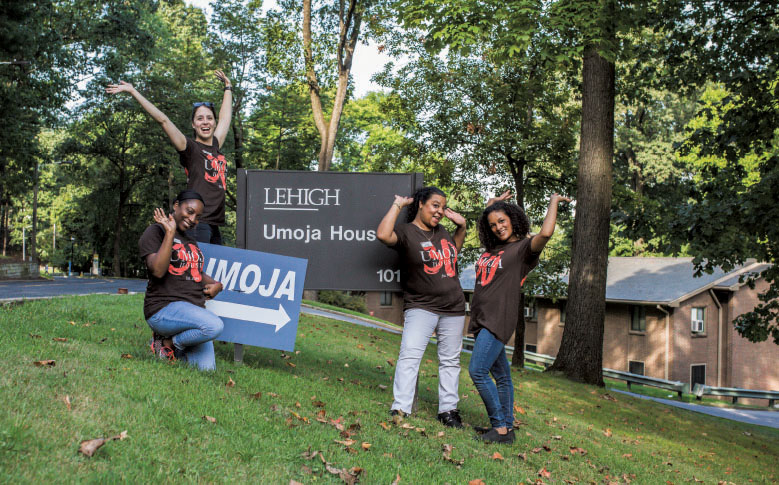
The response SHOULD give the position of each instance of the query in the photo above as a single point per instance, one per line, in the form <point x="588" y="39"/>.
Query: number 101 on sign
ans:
<point x="388" y="275"/>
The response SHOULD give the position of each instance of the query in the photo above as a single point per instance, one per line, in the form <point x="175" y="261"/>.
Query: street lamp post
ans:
<point x="70" y="261"/>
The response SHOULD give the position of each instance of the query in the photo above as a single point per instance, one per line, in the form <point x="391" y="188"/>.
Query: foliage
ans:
<point x="344" y="299"/>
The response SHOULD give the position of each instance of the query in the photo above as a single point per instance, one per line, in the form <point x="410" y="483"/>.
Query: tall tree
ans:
<point x="348" y="16"/>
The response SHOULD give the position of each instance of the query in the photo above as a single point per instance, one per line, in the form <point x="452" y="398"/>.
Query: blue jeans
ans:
<point x="206" y="233"/>
<point x="489" y="357"/>
<point x="193" y="330"/>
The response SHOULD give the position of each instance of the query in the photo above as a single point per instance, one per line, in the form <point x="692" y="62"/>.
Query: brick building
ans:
<point x="660" y="321"/>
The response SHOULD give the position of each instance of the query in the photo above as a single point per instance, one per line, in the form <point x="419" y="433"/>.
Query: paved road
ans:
<point x="762" y="418"/>
<point x="62" y="286"/>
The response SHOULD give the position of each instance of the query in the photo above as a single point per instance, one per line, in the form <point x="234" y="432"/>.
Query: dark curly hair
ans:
<point x="420" y="197"/>
<point x="520" y="223"/>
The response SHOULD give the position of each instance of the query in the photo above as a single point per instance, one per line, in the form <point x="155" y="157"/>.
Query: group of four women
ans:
<point x="174" y="306"/>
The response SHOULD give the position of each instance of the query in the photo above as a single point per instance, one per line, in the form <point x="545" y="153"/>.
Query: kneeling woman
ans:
<point x="175" y="299"/>
<point x="500" y="273"/>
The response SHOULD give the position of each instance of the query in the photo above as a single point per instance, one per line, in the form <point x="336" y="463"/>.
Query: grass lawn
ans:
<point x="268" y="410"/>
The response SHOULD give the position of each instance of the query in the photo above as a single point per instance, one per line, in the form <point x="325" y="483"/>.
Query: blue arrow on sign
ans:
<point x="260" y="300"/>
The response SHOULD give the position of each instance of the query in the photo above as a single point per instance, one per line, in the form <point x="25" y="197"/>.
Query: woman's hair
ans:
<point x="188" y="195"/>
<point x="420" y="197"/>
<point x="206" y="104"/>
<point x="520" y="223"/>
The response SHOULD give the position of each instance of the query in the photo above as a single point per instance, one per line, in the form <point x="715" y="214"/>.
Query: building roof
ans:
<point x="659" y="281"/>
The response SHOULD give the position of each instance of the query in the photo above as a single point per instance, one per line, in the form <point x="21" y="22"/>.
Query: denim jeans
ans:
<point x="206" y="233"/>
<point x="193" y="329"/>
<point x="489" y="357"/>
<point x="418" y="327"/>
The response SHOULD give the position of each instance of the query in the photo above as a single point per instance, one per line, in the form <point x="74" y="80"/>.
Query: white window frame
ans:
<point x="531" y="312"/>
<point x="698" y="325"/>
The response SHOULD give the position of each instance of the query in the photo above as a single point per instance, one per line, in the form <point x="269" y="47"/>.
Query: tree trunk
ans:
<point x="5" y="227"/>
<point x="349" y="28"/>
<point x="123" y="195"/>
<point x="580" y="356"/>
<point x="238" y="133"/>
<point x="518" y="357"/>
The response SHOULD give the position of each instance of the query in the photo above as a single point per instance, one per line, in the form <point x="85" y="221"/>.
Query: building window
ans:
<point x="698" y="320"/>
<point x="530" y="348"/>
<point x="531" y="313"/>
<point x="386" y="298"/>
<point x="635" y="367"/>
<point x="697" y="375"/>
<point x="637" y="319"/>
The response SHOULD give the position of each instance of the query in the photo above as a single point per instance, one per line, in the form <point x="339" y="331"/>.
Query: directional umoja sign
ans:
<point x="260" y="300"/>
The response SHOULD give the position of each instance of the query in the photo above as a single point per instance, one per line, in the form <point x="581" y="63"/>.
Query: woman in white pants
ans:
<point x="432" y="297"/>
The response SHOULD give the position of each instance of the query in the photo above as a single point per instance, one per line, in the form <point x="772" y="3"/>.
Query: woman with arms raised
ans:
<point x="203" y="163"/>
<point x="500" y="273"/>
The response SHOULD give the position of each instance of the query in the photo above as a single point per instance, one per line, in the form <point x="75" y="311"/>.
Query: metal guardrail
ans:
<point x="700" y="390"/>
<point x="676" y="386"/>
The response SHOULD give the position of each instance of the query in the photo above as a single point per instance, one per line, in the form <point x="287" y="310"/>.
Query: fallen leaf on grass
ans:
<point x="522" y="456"/>
<point x="536" y="450"/>
<point x="291" y="364"/>
<point x="391" y="362"/>
<point x="127" y="356"/>
<point x="349" y="476"/>
<point x="544" y="473"/>
<point x="89" y="447"/>
<point x="440" y="434"/>
<point x="34" y="335"/>
<point x="257" y="395"/>
<point x="210" y="419"/>
<point x="345" y="442"/>
<point x="575" y="449"/>
<point x="519" y="409"/>
<point x="299" y="417"/>
<point x="397" y="480"/>
<point x="497" y="456"/>
<point x="273" y="394"/>
<point x="607" y="432"/>
<point x="477" y="481"/>
<point x="308" y="455"/>
<point x="230" y="382"/>
<point x="557" y="437"/>
<point x="45" y="363"/>
<point x="385" y="426"/>
<point x="67" y="401"/>
<point x="318" y="404"/>
<point x="448" y="455"/>
<point x="382" y="387"/>
<point x="627" y="455"/>
<point x="294" y="482"/>
<point x="365" y="446"/>
<point x="59" y="339"/>
<point x="609" y="397"/>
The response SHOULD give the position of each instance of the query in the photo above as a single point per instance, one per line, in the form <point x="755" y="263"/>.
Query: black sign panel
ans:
<point x="329" y="218"/>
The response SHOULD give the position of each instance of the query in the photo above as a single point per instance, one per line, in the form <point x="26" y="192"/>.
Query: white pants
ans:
<point x="418" y="327"/>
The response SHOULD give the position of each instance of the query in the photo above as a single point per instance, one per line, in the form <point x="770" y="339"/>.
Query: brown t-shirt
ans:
<point x="205" y="168"/>
<point x="500" y="274"/>
<point x="428" y="270"/>
<point x="184" y="279"/>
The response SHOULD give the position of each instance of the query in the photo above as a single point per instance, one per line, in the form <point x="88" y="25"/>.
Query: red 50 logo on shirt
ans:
<point x="445" y="258"/>
<point x="487" y="266"/>
<point x="215" y="168"/>
<point x="186" y="258"/>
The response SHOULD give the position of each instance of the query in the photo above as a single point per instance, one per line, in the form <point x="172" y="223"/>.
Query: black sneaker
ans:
<point x="492" y="436"/>
<point x="451" y="419"/>
<point x="397" y="412"/>
<point x="481" y="429"/>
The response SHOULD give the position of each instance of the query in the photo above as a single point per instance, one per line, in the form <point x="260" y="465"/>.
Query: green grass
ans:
<point x="339" y="370"/>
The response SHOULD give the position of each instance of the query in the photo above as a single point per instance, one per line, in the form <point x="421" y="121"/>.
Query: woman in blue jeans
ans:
<point x="500" y="273"/>
<point x="174" y="305"/>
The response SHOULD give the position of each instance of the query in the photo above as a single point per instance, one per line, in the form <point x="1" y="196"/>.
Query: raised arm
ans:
<point x="176" y="137"/>
<point x="386" y="231"/>
<point x="225" y="111"/>
<point x="158" y="262"/>
<point x="459" y="234"/>
<point x="547" y="228"/>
